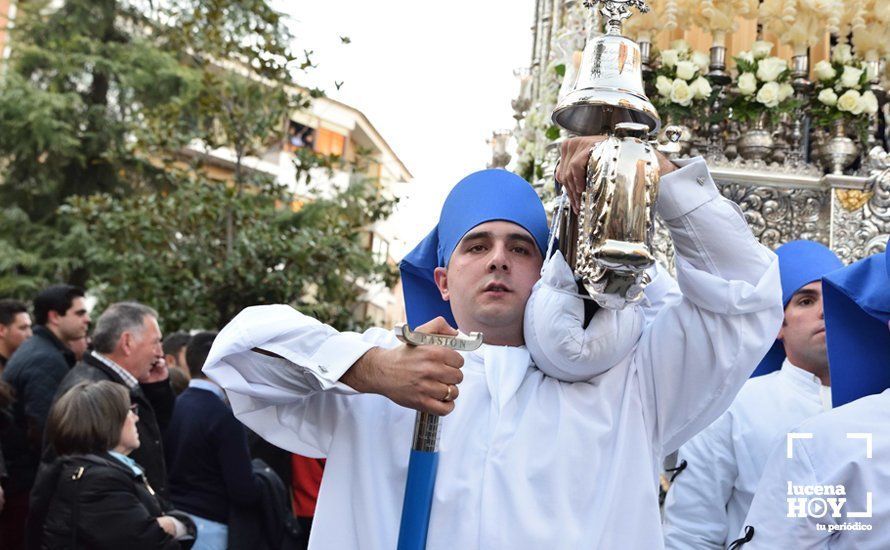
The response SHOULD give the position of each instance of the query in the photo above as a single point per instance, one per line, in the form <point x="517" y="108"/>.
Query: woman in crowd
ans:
<point x="94" y="496"/>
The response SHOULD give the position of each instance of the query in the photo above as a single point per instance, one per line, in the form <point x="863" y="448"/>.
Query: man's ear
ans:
<point x="126" y="343"/>
<point x="441" y="277"/>
<point x="52" y="317"/>
<point x="781" y="336"/>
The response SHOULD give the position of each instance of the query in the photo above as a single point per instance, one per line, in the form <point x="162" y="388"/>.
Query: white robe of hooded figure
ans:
<point x="847" y="447"/>
<point x="526" y="461"/>
<point x="706" y="505"/>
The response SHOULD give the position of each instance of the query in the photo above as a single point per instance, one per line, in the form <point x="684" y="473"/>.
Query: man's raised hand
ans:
<point x="572" y="170"/>
<point x="419" y="377"/>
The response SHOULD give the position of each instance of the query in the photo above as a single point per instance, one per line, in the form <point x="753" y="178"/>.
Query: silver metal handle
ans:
<point x="426" y="427"/>
<point x="459" y="343"/>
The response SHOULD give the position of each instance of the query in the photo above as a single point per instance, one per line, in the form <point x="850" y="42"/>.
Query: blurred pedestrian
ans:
<point x="127" y="350"/>
<point x="94" y="495"/>
<point x="207" y="454"/>
<point x="174" y="355"/>
<point x="35" y="372"/>
<point x="15" y="328"/>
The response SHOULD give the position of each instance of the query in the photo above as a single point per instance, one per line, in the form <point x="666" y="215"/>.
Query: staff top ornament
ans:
<point x="616" y="11"/>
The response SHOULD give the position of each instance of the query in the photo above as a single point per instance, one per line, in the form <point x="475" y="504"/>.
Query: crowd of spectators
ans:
<point x="112" y="437"/>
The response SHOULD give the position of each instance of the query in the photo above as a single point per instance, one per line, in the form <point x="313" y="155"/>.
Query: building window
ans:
<point x="379" y="248"/>
<point x="299" y="136"/>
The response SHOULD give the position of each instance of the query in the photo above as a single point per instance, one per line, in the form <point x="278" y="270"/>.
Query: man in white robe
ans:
<point x="709" y="498"/>
<point x="829" y="486"/>
<point x="526" y="461"/>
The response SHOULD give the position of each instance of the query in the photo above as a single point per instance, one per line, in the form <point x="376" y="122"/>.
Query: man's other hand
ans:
<point x="572" y="170"/>
<point x="158" y="372"/>
<point x="420" y="377"/>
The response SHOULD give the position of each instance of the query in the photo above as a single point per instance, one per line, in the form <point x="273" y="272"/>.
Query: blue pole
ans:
<point x="424" y="460"/>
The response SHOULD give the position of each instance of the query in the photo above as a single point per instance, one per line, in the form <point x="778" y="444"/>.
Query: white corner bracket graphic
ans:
<point x="791" y="437"/>
<point x="866" y="437"/>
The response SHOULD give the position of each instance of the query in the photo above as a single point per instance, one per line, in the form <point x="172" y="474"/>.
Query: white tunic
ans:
<point x="837" y="454"/>
<point x="707" y="502"/>
<point x="526" y="461"/>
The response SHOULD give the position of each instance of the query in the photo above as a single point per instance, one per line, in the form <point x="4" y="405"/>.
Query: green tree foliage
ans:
<point x="100" y="99"/>
<point x="171" y="250"/>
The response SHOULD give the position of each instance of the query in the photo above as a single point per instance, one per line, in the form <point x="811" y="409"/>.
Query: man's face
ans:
<point x="142" y="348"/>
<point x="803" y="331"/>
<point x="177" y="361"/>
<point x="489" y="279"/>
<point x="74" y="323"/>
<point x="16" y="332"/>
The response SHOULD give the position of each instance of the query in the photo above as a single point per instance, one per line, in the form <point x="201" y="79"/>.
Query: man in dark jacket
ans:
<point x="210" y="470"/>
<point x="127" y="350"/>
<point x="15" y="328"/>
<point x="35" y="372"/>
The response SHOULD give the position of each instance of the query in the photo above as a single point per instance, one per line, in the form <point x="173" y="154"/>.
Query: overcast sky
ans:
<point x="434" y="78"/>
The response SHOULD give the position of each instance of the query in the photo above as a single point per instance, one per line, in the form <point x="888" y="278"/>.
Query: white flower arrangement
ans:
<point x="762" y="83"/>
<point x="842" y="90"/>
<point x="682" y="89"/>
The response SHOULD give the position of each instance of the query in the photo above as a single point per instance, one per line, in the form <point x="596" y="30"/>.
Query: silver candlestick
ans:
<point x="800" y="71"/>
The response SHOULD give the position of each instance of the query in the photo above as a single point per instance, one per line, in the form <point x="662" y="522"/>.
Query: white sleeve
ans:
<point x="295" y="400"/>
<point x="696" y="354"/>
<point x="695" y="510"/>
<point x="769" y="510"/>
<point x="554" y="331"/>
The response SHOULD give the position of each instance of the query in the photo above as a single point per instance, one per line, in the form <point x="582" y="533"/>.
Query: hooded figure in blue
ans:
<point x="848" y="446"/>
<point x="481" y="198"/>
<point x="708" y="501"/>
<point x="801" y="263"/>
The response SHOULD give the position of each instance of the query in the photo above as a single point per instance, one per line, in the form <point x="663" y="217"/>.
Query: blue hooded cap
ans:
<point x="489" y="195"/>
<point x="800" y="263"/>
<point x="857" y="310"/>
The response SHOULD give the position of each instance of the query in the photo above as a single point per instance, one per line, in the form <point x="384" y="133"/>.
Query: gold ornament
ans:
<point x="852" y="199"/>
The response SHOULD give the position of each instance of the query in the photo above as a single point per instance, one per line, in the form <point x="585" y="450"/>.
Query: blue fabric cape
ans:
<point x="800" y="263"/>
<point x="489" y="195"/>
<point x="857" y="310"/>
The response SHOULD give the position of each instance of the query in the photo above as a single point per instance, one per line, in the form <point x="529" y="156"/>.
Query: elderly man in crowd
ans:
<point x="709" y="499"/>
<point x="127" y="350"/>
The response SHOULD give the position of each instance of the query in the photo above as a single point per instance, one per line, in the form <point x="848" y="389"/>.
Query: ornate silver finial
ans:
<point x="616" y="11"/>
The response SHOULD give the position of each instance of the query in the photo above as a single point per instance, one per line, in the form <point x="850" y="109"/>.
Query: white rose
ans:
<point x="785" y="91"/>
<point x="680" y="93"/>
<point x="747" y="84"/>
<point x="769" y="94"/>
<point x="669" y="58"/>
<point x="701" y="88"/>
<point x="663" y="84"/>
<point x="850" y="77"/>
<point x="686" y="70"/>
<point x="824" y="70"/>
<point x="849" y="101"/>
<point x="761" y="49"/>
<point x="828" y="97"/>
<point x="770" y="68"/>
<point x="746" y="56"/>
<point x="701" y="59"/>
<point x="842" y="53"/>
<point x="868" y="103"/>
<point x="680" y="45"/>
